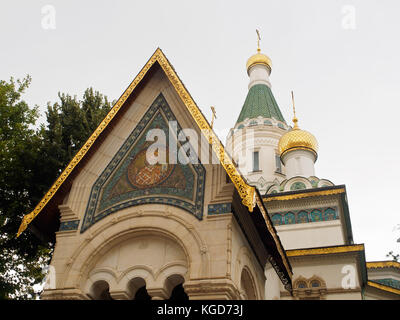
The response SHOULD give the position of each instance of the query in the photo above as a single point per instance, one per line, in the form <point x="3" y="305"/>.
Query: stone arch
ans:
<point x="245" y="261"/>
<point x="248" y="289"/>
<point x="162" y="254"/>
<point x="316" y="282"/>
<point x="172" y="282"/>
<point x="311" y="288"/>
<point x="100" y="290"/>
<point x="150" y="220"/>
<point x="134" y="285"/>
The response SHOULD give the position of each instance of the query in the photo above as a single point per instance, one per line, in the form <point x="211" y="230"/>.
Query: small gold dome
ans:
<point x="297" y="139"/>
<point x="258" y="58"/>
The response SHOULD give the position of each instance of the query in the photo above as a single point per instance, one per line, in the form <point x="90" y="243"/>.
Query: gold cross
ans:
<point x="258" y="40"/>
<point x="214" y="116"/>
<point x="294" y="113"/>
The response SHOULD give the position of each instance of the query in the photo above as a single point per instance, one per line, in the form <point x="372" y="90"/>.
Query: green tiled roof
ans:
<point x="388" y="282"/>
<point x="260" y="102"/>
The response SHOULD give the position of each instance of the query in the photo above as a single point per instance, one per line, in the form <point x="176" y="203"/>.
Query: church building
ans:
<point x="154" y="206"/>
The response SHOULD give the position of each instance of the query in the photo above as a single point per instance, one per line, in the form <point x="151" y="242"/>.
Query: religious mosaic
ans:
<point x="130" y="179"/>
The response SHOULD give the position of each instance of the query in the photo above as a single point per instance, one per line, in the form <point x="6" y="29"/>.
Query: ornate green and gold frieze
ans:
<point x="304" y="216"/>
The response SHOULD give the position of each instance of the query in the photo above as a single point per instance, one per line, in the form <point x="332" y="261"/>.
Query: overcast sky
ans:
<point x="341" y="58"/>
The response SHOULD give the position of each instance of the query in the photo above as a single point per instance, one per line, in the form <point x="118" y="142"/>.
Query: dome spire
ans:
<point x="259" y="58"/>
<point x="258" y="40"/>
<point x="298" y="150"/>
<point x="295" y="120"/>
<point x="297" y="139"/>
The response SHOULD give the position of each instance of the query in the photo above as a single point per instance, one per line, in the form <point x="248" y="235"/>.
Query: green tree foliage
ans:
<point x="31" y="159"/>
<point x="70" y="123"/>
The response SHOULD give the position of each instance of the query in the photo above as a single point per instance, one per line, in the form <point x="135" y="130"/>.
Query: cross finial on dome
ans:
<point x="258" y="40"/>
<point x="295" y="120"/>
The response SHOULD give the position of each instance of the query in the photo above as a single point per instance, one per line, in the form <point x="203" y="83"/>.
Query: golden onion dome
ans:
<point x="296" y="139"/>
<point x="258" y="58"/>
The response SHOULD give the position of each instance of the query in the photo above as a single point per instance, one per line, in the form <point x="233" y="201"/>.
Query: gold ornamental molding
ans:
<point x="383" y="264"/>
<point x="329" y="250"/>
<point x="305" y="195"/>
<point x="246" y="192"/>
<point x="383" y="287"/>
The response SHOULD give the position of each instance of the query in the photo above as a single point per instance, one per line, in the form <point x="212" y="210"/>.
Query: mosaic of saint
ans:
<point x="131" y="180"/>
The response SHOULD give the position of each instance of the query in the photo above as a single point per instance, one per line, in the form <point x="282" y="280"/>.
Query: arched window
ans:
<point x="280" y="125"/>
<point x="137" y="287"/>
<point x="316" y="215"/>
<point x="301" y="285"/>
<point x="329" y="214"/>
<point x="302" y="217"/>
<point x="315" y="284"/>
<point x="178" y="294"/>
<point x="290" y="218"/>
<point x="277" y="219"/>
<point x="247" y="287"/>
<point x="100" y="291"/>
<point x="142" y="294"/>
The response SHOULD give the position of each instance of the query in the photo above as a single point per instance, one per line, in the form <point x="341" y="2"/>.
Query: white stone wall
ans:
<point x="311" y="235"/>
<point x="262" y="138"/>
<point x="259" y="74"/>
<point x="332" y="270"/>
<point x="299" y="163"/>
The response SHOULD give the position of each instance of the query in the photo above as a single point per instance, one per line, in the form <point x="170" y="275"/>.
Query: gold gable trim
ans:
<point x="383" y="287"/>
<point x="305" y="195"/>
<point x="383" y="264"/>
<point x="246" y="192"/>
<point x="330" y="250"/>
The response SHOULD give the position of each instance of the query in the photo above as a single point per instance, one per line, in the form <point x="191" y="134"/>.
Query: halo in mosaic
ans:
<point x="130" y="180"/>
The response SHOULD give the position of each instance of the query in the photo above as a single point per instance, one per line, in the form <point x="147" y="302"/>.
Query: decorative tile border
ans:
<point x="69" y="225"/>
<point x="304" y="216"/>
<point x="195" y="206"/>
<point x="219" y="208"/>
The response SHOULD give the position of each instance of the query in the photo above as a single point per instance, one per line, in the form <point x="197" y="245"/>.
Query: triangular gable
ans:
<point x="250" y="198"/>
<point x="246" y="192"/>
